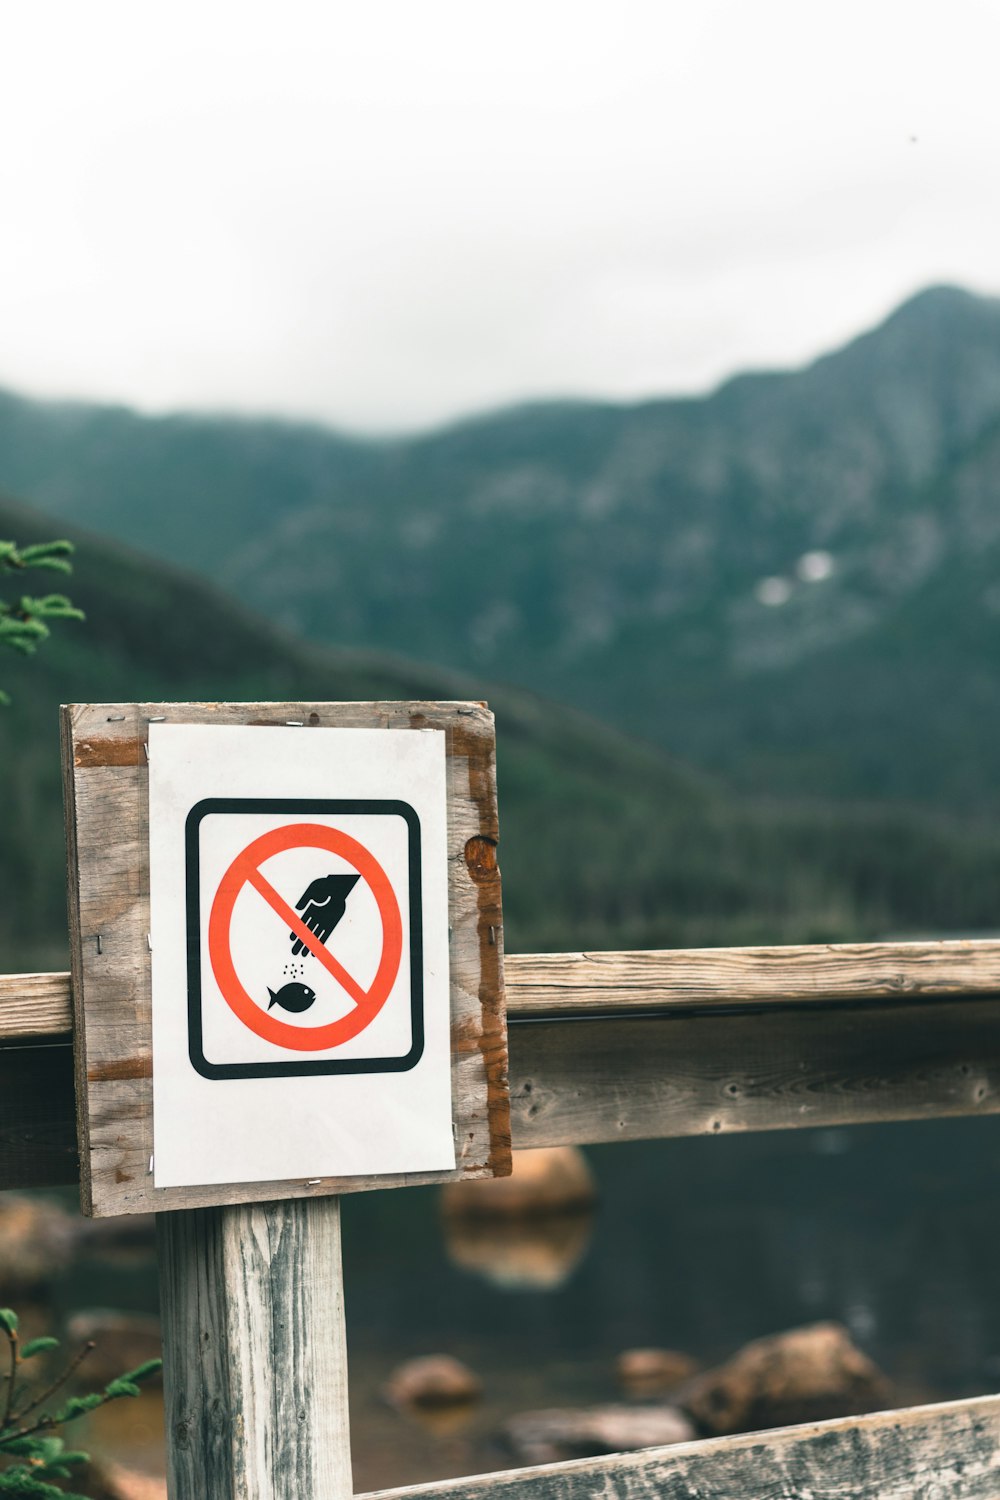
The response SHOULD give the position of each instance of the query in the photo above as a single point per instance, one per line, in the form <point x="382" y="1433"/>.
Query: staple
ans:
<point x="149" y="942"/>
<point x="314" y="1182"/>
<point x="150" y="1166"/>
<point x="157" y="719"/>
<point x="100" y="945"/>
<point x="493" y="934"/>
<point x="145" y="746"/>
<point x="294" y="724"/>
<point x="115" y="718"/>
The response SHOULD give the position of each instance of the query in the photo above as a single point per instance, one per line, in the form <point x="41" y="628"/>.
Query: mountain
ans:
<point x="794" y="581"/>
<point x="604" y="842"/>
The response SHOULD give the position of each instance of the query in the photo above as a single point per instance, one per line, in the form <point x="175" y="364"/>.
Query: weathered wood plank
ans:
<point x="106" y="786"/>
<point x="562" y="983"/>
<point x="926" y="1453"/>
<point x="35" y="1006"/>
<point x="37" y="1117"/>
<point x="643" y="1077"/>
<point x="547" y="984"/>
<point x="255" y="1358"/>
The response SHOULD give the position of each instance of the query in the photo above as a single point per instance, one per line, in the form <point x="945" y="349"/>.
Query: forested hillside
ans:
<point x="604" y="842"/>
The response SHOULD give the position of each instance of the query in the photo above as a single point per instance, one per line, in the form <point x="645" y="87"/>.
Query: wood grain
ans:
<point x="574" y="983"/>
<point x="644" y="1077"/>
<point x="35" y="1006"/>
<point x="106" y="787"/>
<point x="255" y="1357"/>
<point x="948" y="1452"/>
<point x="552" y="984"/>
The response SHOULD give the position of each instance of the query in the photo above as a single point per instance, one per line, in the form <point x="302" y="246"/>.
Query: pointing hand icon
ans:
<point x="322" y="905"/>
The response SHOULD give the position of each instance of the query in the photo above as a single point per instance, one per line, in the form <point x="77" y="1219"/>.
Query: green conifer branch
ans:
<point x="22" y="621"/>
<point x="44" y="1452"/>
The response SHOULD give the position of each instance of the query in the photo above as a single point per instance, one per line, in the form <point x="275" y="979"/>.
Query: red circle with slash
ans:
<point x="245" y="870"/>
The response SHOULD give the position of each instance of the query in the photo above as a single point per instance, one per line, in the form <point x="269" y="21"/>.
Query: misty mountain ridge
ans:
<point x="795" y="579"/>
<point x="604" y="842"/>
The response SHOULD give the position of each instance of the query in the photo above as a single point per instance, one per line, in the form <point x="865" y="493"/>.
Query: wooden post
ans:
<point x="255" y="1355"/>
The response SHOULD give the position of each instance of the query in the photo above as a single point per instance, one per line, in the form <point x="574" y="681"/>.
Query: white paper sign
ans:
<point x="299" y="926"/>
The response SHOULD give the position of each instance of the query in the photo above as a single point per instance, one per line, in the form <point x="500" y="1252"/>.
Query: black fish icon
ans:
<point x="294" y="997"/>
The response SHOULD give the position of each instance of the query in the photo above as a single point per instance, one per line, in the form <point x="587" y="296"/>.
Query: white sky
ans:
<point x="387" y="212"/>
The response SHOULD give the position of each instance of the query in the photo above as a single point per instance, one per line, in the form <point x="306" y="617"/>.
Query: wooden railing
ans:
<point x="625" y="1046"/>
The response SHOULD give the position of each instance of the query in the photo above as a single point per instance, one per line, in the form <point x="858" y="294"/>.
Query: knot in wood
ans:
<point x="481" y="859"/>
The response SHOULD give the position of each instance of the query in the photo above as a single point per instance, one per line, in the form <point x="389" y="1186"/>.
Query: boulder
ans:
<point x="122" y="1341"/>
<point x="645" y="1372"/>
<point x="37" y="1239"/>
<point x="548" y="1180"/>
<point x="110" y="1481"/>
<point x="541" y="1437"/>
<point x="433" y="1381"/>
<point x="129" y="1485"/>
<point x="537" y="1254"/>
<point x="805" y="1375"/>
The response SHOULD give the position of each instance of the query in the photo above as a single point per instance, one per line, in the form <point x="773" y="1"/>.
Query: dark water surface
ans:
<point x="698" y="1245"/>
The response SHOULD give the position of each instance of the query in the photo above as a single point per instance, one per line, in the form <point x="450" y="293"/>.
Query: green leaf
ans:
<point x="21" y="1484"/>
<point x="120" y="1387"/>
<point x="42" y="552"/>
<point x="50" y="606"/>
<point x="49" y="1447"/>
<point x="55" y="564"/>
<point x="38" y="1346"/>
<point x="76" y="1406"/>
<point x="8" y="1320"/>
<point x="144" y="1371"/>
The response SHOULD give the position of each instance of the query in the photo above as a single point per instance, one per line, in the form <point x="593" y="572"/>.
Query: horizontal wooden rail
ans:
<point x="33" y="1006"/>
<point x="639" y="1076"/>
<point x="645" y="1056"/>
<point x="563" y="983"/>
<point x="950" y="1450"/>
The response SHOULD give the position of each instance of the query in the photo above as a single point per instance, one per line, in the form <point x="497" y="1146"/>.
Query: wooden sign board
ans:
<point x="106" y="750"/>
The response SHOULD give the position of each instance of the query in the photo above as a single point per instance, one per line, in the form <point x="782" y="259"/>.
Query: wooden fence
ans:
<point x="603" y="1047"/>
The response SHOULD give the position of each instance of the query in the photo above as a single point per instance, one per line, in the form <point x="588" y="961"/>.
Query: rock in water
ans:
<point x="529" y="1229"/>
<point x="542" y="1437"/>
<point x="539" y="1252"/>
<point x="805" y="1375"/>
<point x="435" y="1380"/>
<point x="550" y="1179"/>
<point x="37" y="1240"/>
<point x="644" y="1372"/>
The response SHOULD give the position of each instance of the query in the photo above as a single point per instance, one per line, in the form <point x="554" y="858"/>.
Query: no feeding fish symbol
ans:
<point x="322" y="904"/>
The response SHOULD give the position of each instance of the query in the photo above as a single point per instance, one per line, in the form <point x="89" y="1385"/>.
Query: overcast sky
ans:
<point x="384" y="213"/>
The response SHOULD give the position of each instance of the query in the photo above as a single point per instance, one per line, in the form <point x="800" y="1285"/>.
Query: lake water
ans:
<point x="698" y="1245"/>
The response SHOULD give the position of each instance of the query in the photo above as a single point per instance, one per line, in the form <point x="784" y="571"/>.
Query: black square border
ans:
<point x="300" y="1068"/>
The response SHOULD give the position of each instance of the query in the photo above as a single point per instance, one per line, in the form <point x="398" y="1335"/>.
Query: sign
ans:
<point x="299" y="931"/>
<point x="286" y="935"/>
<point x="347" y="891"/>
